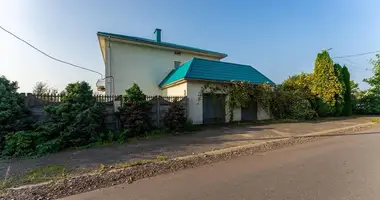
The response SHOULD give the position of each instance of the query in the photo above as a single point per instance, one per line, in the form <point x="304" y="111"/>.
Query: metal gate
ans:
<point x="249" y="113"/>
<point x="214" y="108"/>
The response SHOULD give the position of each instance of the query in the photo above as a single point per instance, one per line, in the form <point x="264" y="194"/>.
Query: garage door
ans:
<point x="214" y="108"/>
<point x="249" y="113"/>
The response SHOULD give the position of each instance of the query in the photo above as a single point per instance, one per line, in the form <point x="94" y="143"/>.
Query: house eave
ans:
<point x="180" y="81"/>
<point x="163" y="46"/>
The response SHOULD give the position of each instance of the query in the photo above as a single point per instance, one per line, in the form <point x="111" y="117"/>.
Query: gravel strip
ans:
<point x="111" y="177"/>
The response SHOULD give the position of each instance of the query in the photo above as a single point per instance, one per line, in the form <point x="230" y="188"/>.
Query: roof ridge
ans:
<point x="190" y="67"/>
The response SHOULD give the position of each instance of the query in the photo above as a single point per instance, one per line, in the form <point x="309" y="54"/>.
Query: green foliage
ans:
<point x="291" y="104"/>
<point x="240" y="94"/>
<point x="368" y="102"/>
<point x="48" y="147"/>
<point x="339" y="101"/>
<point x="285" y="102"/>
<point x="324" y="110"/>
<point x="354" y="87"/>
<point x="76" y="121"/>
<point x="374" y="81"/>
<point x="13" y="115"/>
<point x="175" y="117"/>
<point x="134" y="112"/>
<point x="77" y="118"/>
<point x="347" y="109"/>
<point x="301" y="83"/>
<point x="326" y="85"/>
<point x="19" y="144"/>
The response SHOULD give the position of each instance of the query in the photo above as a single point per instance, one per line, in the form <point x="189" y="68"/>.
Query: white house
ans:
<point x="162" y="68"/>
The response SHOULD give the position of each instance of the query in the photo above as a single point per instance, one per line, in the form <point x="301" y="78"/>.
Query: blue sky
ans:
<point x="279" y="38"/>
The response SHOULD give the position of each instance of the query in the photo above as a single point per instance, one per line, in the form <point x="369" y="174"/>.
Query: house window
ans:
<point x="177" y="64"/>
<point x="177" y="53"/>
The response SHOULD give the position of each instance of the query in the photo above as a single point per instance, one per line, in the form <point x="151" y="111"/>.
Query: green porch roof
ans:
<point x="163" y="44"/>
<point x="209" y="70"/>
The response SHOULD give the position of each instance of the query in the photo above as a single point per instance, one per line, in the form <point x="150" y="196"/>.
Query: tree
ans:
<point x="42" y="88"/>
<point x="134" y="112"/>
<point x="175" y="117"/>
<point x="326" y="85"/>
<point x="354" y="87"/>
<point x="77" y="119"/>
<point x="374" y="81"/>
<point x="347" y="109"/>
<point x="368" y="102"/>
<point x="339" y="98"/>
<point x="13" y="114"/>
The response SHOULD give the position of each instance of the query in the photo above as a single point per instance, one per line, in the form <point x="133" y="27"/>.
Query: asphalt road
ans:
<point x="335" y="168"/>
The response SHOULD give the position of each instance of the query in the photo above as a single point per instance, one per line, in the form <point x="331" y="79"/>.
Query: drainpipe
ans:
<point x="108" y="73"/>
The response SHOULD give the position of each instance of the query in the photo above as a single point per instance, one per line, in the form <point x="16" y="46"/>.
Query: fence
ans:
<point x="159" y="106"/>
<point x="57" y="98"/>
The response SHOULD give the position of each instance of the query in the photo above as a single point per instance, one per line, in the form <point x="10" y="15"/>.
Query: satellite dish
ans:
<point x="100" y="85"/>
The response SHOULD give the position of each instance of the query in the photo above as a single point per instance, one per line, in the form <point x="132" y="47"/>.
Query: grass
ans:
<point x="375" y="119"/>
<point x="141" y="162"/>
<point x="95" y="144"/>
<point x="52" y="172"/>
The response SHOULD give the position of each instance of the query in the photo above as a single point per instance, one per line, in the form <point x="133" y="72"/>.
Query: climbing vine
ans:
<point x="239" y="94"/>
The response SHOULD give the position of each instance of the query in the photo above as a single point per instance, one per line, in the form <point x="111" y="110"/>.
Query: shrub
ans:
<point x="368" y="104"/>
<point x="291" y="105"/>
<point x="175" y="117"/>
<point x="134" y="112"/>
<point x="13" y="115"/>
<point x="19" y="144"/>
<point x="76" y="118"/>
<point x="48" y="147"/>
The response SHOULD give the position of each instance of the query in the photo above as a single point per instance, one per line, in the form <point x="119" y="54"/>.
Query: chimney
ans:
<point x="157" y="32"/>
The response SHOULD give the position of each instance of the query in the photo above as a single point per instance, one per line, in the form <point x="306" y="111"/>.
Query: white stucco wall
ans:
<point x="146" y="66"/>
<point x="195" y="106"/>
<point x="263" y="113"/>
<point x="177" y="90"/>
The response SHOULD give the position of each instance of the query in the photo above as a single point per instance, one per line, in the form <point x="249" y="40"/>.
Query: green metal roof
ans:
<point x="164" y="44"/>
<point x="209" y="70"/>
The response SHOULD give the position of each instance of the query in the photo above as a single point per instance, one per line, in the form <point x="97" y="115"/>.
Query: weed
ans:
<point x="161" y="158"/>
<point x="52" y="172"/>
<point x="156" y="134"/>
<point x="132" y="140"/>
<point x="375" y="119"/>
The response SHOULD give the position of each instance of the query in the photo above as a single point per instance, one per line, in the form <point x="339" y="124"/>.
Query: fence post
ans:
<point x="158" y="110"/>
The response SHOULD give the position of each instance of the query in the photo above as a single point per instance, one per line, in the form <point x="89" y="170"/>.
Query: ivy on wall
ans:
<point x="239" y="94"/>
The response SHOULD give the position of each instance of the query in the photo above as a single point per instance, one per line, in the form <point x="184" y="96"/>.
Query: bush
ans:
<point x="19" y="144"/>
<point x="13" y="115"/>
<point x="48" y="147"/>
<point x="175" y="117"/>
<point x="368" y="104"/>
<point x="291" y="105"/>
<point x="134" y="112"/>
<point x="74" y="121"/>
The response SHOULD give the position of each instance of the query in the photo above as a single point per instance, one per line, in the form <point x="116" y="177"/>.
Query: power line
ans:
<point x="49" y="56"/>
<point x="354" y="55"/>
